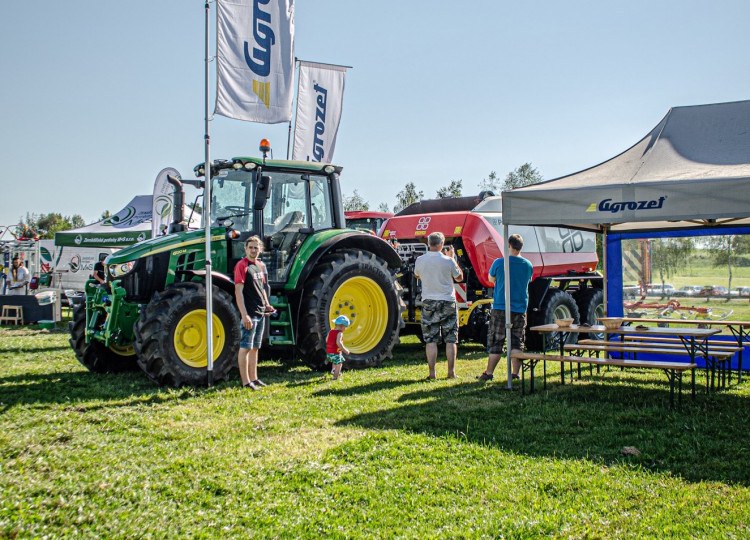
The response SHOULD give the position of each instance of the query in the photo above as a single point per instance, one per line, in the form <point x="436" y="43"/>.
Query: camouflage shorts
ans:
<point x="496" y="337"/>
<point x="439" y="318"/>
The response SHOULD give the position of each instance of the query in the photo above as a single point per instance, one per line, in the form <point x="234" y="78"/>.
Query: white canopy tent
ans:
<point x="692" y="171"/>
<point x="130" y="225"/>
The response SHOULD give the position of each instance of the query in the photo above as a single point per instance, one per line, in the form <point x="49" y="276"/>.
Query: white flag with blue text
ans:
<point x="320" y="98"/>
<point x="255" y="60"/>
<point x="162" y="203"/>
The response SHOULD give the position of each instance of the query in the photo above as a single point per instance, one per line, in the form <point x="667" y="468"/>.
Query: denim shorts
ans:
<point x="250" y="339"/>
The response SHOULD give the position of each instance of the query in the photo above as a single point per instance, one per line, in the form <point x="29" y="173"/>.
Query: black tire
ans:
<point x="590" y="306"/>
<point x="360" y="285"/>
<point x="557" y="304"/>
<point x="95" y="356"/>
<point x="179" y="313"/>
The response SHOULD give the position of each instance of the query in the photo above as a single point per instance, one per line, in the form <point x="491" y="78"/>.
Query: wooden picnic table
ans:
<point x="694" y="341"/>
<point x="740" y="331"/>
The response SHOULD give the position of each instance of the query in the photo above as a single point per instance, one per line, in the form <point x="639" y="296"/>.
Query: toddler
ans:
<point x="335" y="345"/>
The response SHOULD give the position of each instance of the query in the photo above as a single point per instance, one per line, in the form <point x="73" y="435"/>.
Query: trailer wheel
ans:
<point x="360" y="285"/>
<point x="590" y="306"/>
<point x="95" y="356"/>
<point x="558" y="304"/>
<point x="171" y="336"/>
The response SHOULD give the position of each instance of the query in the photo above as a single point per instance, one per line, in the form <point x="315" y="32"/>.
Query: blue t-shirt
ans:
<point x="521" y="272"/>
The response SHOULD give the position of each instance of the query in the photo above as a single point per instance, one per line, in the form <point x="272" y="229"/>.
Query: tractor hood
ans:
<point x="164" y="243"/>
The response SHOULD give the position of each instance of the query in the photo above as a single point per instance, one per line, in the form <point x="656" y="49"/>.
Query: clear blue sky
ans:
<point x="99" y="96"/>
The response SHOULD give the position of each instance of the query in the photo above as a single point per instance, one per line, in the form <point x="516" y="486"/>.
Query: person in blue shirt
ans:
<point x="521" y="272"/>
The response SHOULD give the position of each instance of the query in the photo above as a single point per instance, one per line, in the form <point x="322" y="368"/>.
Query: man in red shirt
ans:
<point x="251" y="291"/>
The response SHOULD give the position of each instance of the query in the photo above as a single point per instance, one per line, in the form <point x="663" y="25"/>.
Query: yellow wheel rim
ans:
<point x="127" y="350"/>
<point x="190" y="338"/>
<point x="363" y="301"/>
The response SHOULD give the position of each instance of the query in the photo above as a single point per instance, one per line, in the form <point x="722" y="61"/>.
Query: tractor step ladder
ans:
<point x="12" y="315"/>
<point x="281" y="332"/>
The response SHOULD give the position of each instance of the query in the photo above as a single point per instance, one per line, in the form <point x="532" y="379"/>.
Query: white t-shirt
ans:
<point x="436" y="272"/>
<point x="22" y="277"/>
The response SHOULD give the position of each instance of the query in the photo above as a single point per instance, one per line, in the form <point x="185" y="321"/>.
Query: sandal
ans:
<point x="485" y="376"/>
<point x="251" y="386"/>
<point x="259" y="383"/>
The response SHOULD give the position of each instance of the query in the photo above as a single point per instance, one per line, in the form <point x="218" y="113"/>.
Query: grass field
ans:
<point x="379" y="454"/>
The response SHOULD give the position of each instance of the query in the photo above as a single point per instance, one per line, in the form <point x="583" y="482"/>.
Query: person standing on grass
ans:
<point x="437" y="271"/>
<point x="521" y="272"/>
<point x="251" y="292"/>
<point x="19" y="278"/>
<point x="335" y="345"/>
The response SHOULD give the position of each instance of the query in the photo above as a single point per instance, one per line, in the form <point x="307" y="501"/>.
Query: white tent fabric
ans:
<point x="691" y="170"/>
<point x="130" y="225"/>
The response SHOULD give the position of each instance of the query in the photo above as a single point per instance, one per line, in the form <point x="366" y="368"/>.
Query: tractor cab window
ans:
<point x="232" y="198"/>
<point x="297" y="205"/>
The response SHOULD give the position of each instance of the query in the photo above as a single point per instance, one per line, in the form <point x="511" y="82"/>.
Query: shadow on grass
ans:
<point x="13" y="350"/>
<point x="365" y="388"/>
<point x="592" y="419"/>
<point x="77" y="387"/>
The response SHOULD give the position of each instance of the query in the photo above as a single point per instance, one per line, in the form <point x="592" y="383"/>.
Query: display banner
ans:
<point x="255" y="60"/>
<point x="320" y="97"/>
<point x="163" y="202"/>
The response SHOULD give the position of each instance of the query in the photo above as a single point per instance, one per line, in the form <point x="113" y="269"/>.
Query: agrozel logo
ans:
<point x="260" y="61"/>
<point x="606" y="205"/>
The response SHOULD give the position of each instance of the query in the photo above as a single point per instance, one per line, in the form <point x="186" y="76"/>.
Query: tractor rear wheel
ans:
<point x="360" y="285"/>
<point x="171" y="336"/>
<point x="558" y="304"/>
<point x="95" y="356"/>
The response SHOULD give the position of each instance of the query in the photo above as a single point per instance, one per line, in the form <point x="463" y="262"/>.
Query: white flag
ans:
<point x="320" y="98"/>
<point x="163" y="202"/>
<point x="255" y="60"/>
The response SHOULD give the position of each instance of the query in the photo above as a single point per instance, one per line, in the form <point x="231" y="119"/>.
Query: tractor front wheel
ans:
<point x="171" y="336"/>
<point x="94" y="355"/>
<point x="360" y="285"/>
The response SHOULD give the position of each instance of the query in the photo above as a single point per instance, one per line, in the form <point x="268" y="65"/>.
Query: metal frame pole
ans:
<point x="506" y="279"/>
<point x="207" y="223"/>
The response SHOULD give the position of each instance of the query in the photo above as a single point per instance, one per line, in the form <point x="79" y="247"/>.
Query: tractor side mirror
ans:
<point x="262" y="193"/>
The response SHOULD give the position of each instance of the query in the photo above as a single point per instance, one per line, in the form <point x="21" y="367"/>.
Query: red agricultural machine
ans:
<point x="565" y="282"/>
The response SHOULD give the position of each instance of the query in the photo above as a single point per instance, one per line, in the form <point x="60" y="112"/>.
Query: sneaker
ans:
<point x="251" y="386"/>
<point x="259" y="383"/>
<point x="485" y="376"/>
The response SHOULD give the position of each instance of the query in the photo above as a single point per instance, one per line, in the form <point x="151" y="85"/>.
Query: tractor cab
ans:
<point x="282" y="206"/>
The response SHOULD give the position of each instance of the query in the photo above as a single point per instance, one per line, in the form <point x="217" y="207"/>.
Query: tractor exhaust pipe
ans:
<point x="178" y="215"/>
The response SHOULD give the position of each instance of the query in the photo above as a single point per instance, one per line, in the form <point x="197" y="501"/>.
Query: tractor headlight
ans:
<point x="119" y="270"/>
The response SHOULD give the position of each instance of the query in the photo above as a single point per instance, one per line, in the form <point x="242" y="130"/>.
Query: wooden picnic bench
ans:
<point x="717" y="359"/>
<point x="692" y="339"/>
<point x="673" y="370"/>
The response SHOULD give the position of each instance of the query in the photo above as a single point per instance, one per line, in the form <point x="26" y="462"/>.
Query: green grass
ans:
<point x="380" y="454"/>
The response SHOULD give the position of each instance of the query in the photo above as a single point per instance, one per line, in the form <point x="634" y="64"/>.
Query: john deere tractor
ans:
<point x="151" y="314"/>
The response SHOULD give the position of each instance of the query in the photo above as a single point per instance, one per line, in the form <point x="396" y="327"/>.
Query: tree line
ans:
<point x="524" y="175"/>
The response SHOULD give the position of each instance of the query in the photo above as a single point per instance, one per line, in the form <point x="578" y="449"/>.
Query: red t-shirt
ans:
<point x="253" y="276"/>
<point x="331" y="347"/>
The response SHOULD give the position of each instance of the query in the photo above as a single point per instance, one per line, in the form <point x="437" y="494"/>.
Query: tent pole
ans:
<point x="506" y="280"/>
<point x="605" y="230"/>
<point x="207" y="223"/>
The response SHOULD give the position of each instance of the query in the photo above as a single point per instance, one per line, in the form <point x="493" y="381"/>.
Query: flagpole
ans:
<point x="207" y="223"/>
<point x="289" y="135"/>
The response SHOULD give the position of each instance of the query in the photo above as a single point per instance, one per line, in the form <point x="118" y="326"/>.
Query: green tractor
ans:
<point x="151" y="314"/>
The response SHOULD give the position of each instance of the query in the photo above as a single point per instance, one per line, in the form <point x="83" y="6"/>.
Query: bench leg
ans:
<point x="692" y="377"/>
<point x="670" y="376"/>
